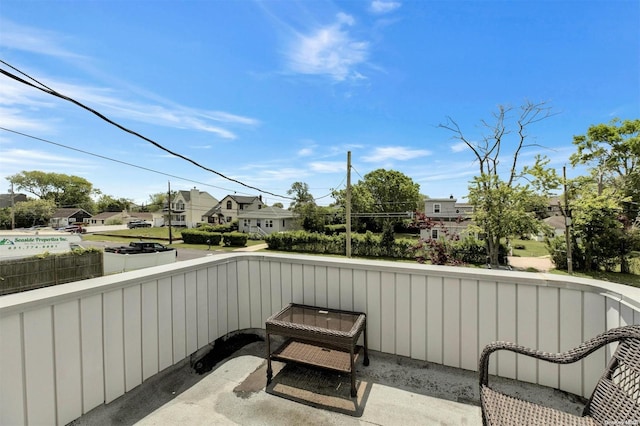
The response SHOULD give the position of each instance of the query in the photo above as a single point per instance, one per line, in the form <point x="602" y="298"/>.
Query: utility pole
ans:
<point x="348" y="206"/>
<point x="567" y="222"/>
<point x="169" y="209"/>
<point x="13" y="209"/>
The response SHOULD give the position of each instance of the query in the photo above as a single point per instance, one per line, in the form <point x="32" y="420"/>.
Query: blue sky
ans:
<point x="273" y="92"/>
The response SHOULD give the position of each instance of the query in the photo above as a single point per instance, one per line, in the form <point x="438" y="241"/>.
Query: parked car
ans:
<point x="138" y="224"/>
<point x="74" y="229"/>
<point x="136" y="247"/>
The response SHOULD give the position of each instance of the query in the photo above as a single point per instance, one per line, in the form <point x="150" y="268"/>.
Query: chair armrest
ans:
<point x="568" y="357"/>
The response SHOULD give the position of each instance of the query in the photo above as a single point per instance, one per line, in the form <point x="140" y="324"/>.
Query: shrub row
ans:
<point x="199" y="236"/>
<point x="364" y="245"/>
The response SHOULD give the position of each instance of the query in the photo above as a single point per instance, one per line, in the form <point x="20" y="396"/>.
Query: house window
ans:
<point x="434" y="234"/>
<point x="180" y="206"/>
<point x="229" y="205"/>
<point x="229" y="218"/>
<point x="259" y="206"/>
<point x="436" y="208"/>
<point x="283" y="223"/>
<point x="247" y="223"/>
<point x="268" y="223"/>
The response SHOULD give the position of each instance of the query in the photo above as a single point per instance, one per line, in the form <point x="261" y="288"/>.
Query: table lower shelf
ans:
<point x="316" y="355"/>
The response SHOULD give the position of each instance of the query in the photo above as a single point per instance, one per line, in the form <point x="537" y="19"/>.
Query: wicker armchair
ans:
<point x="614" y="401"/>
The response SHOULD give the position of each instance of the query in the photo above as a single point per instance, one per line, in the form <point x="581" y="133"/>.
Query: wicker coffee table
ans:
<point x="319" y="337"/>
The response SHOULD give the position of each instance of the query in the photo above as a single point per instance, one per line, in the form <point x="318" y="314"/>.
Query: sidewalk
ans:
<point x="253" y="248"/>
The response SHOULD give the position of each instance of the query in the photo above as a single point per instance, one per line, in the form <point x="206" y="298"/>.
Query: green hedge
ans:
<point x="234" y="239"/>
<point x="363" y="245"/>
<point x="197" y="236"/>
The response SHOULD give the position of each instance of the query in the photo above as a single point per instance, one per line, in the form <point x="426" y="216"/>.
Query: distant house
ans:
<point x="123" y="217"/>
<point x="69" y="216"/>
<point x="230" y="208"/>
<point x="266" y="220"/>
<point x="189" y="207"/>
<point x="449" y="215"/>
<point x="5" y="199"/>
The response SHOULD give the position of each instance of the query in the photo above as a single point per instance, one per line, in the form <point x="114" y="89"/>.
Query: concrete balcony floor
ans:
<point x="392" y="391"/>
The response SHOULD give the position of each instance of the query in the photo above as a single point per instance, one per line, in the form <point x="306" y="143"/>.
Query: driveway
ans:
<point x="542" y="264"/>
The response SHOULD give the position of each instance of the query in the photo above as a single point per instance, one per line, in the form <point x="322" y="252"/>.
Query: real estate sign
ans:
<point x="22" y="244"/>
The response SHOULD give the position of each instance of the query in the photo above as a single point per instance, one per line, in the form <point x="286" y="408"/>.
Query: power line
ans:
<point x="42" y="87"/>
<point x="113" y="159"/>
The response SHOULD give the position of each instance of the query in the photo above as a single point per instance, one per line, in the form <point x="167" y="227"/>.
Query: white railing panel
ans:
<point x="593" y="317"/>
<point x="132" y="337"/>
<point x="150" y="323"/>
<point x="297" y="287"/>
<point x="39" y="366"/>
<point x="222" y="309"/>
<point x="165" y="323"/>
<point x="248" y="299"/>
<point x="548" y="333"/>
<point x="66" y="329"/>
<point x="346" y="289"/>
<point x="191" y="312"/>
<point x="451" y="322"/>
<point x="284" y="273"/>
<point x="212" y="293"/>
<point x="435" y="319"/>
<point x="403" y="314"/>
<point x="12" y="402"/>
<point x="527" y="330"/>
<point x="359" y="290"/>
<point x="469" y="307"/>
<point x="233" y="317"/>
<point x="570" y="337"/>
<point x="374" y="303"/>
<point x="279" y="289"/>
<point x="507" y="328"/>
<point x="321" y="286"/>
<point x="387" y="312"/>
<point x="308" y="285"/>
<point x="418" y="317"/>
<point x="202" y="295"/>
<point x="266" y="306"/>
<point x="333" y="288"/>
<point x="487" y="317"/>
<point x="113" y="345"/>
<point x="178" y="318"/>
<point x="91" y="335"/>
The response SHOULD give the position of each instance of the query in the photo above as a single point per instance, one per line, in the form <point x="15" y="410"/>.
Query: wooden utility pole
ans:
<point x="169" y="210"/>
<point x="13" y="209"/>
<point x="567" y="222"/>
<point x="348" y="206"/>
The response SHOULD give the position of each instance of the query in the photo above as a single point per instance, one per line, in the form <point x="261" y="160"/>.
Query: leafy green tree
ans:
<point x="107" y="203"/>
<point x="382" y="194"/>
<point x="63" y="190"/>
<point x="612" y="151"/>
<point x="278" y="204"/>
<point x="301" y="195"/>
<point x="157" y="202"/>
<point x="33" y="212"/>
<point x="504" y="200"/>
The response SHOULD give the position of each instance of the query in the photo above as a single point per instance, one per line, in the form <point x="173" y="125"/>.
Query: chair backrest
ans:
<point x="616" y="398"/>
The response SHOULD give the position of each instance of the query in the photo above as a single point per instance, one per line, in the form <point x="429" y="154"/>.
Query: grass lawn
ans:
<point x="532" y="248"/>
<point x="156" y="234"/>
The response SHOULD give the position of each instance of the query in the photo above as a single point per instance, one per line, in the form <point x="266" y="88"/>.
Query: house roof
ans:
<point x="243" y="199"/>
<point x="5" y="199"/>
<point x="69" y="211"/>
<point x="556" y="222"/>
<point x="106" y="215"/>
<point x="267" y="213"/>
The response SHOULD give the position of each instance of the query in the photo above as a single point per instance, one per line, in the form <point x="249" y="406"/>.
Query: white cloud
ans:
<point x="328" y="166"/>
<point x="34" y="40"/>
<point x="395" y="153"/>
<point x="458" y="147"/>
<point x="305" y="152"/>
<point x="329" y="50"/>
<point x="381" y="7"/>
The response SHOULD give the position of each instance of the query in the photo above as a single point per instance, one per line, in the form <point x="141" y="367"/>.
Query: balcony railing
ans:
<point x="67" y="349"/>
